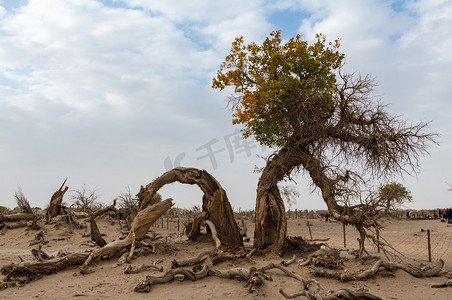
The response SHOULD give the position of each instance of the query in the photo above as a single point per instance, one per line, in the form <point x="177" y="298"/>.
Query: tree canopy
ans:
<point x="394" y="194"/>
<point x="272" y="78"/>
<point x="294" y="97"/>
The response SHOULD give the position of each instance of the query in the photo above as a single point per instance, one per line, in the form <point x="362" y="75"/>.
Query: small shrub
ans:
<point x="85" y="200"/>
<point x="22" y="202"/>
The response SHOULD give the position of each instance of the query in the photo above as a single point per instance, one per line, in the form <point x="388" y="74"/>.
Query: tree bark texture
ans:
<point x="55" y="202"/>
<point x="95" y="233"/>
<point x="416" y="271"/>
<point x="17" y="217"/>
<point x="193" y="229"/>
<point x="215" y="201"/>
<point x="271" y="222"/>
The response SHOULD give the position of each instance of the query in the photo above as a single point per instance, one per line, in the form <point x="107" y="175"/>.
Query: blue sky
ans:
<point x="112" y="93"/>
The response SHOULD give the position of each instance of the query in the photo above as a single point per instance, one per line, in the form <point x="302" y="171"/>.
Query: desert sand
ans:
<point x="109" y="282"/>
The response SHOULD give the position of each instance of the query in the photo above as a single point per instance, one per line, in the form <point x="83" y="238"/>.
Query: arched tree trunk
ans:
<point x="214" y="202"/>
<point x="271" y="223"/>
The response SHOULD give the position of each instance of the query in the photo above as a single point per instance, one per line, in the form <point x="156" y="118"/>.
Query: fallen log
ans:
<point x="254" y="277"/>
<point x="12" y="225"/>
<point x="28" y="271"/>
<point x="132" y="270"/>
<point x="146" y="285"/>
<point x="17" y="217"/>
<point x="442" y="285"/>
<point x="345" y="294"/>
<point x="216" y="256"/>
<point x="289" y="261"/>
<point x="415" y="271"/>
<point x="177" y="263"/>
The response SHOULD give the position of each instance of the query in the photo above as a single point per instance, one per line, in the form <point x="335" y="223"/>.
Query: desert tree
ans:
<point x="294" y="98"/>
<point x="22" y="201"/>
<point x="127" y="201"/>
<point x="393" y="195"/>
<point x="85" y="199"/>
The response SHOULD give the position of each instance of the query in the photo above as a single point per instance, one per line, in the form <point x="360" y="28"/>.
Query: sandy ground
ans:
<point x="109" y="282"/>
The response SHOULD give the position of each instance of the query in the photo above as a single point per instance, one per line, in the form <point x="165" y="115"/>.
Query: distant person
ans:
<point x="448" y="214"/>
<point x="407" y="214"/>
<point x="327" y="216"/>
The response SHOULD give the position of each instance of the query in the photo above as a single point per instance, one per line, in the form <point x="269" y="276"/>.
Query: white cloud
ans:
<point x="83" y="49"/>
<point x="104" y="94"/>
<point x="408" y="51"/>
<point x="203" y="11"/>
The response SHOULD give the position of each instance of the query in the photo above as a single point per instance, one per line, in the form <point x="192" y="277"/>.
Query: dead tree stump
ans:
<point x="55" y="202"/>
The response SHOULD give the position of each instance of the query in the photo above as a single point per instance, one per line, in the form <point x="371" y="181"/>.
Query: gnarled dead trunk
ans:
<point x="95" y="233"/>
<point x="271" y="223"/>
<point x="214" y="202"/>
<point x="55" y="202"/>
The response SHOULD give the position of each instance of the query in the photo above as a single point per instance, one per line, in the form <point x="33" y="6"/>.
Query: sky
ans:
<point x="112" y="94"/>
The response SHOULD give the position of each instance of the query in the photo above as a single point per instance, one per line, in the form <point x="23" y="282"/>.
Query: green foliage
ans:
<point x="394" y="194"/>
<point x="258" y="169"/>
<point x="156" y="199"/>
<point x="275" y="80"/>
<point x="4" y="210"/>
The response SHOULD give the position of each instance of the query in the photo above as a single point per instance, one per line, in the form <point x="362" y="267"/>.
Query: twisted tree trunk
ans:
<point x="271" y="222"/>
